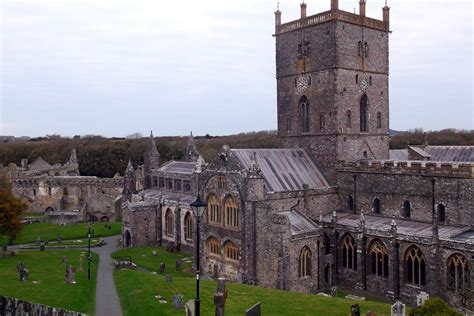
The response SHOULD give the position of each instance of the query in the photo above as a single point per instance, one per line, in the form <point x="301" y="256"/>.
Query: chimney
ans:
<point x="386" y="16"/>
<point x="362" y="7"/>
<point x="303" y="10"/>
<point x="334" y="5"/>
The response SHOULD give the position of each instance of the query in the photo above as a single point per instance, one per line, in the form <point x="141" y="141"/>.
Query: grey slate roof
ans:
<point x="299" y="224"/>
<point x="451" y="153"/>
<point x="178" y="167"/>
<point x="284" y="169"/>
<point x="398" y="154"/>
<point x="419" y="151"/>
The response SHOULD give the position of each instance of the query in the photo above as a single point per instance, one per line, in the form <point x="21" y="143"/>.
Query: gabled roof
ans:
<point x="299" y="223"/>
<point x="398" y="154"/>
<point x="419" y="151"/>
<point x="284" y="169"/>
<point x="451" y="153"/>
<point x="178" y="167"/>
<point x="39" y="164"/>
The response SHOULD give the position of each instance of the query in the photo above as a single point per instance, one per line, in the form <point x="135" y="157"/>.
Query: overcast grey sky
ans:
<point x="114" y="67"/>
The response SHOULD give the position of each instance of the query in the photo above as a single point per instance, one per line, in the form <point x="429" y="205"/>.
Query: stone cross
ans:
<point x="220" y="297"/>
<point x="179" y="264"/>
<point x="70" y="274"/>
<point x="162" y="267"/>
<point x="398" y="309"/>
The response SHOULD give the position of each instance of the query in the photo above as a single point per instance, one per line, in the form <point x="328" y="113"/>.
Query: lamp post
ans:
<point x="198" y="206"/>
<point x="89" y="235"/>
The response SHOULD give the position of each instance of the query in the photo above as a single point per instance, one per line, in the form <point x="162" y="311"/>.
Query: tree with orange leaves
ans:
<point x="11" y="209"/>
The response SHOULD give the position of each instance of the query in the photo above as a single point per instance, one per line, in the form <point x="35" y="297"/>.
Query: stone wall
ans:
<point x="14" y="307"/>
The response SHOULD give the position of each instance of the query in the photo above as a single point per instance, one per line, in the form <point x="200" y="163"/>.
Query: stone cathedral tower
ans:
<point x="332" y="84"/>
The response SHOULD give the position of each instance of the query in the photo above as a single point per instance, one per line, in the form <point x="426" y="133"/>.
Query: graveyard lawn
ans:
<point x="137" y="292"/>
<point x="143" y="257"/>
<point x="47" y="268"/>
<point x="46" y="231"/>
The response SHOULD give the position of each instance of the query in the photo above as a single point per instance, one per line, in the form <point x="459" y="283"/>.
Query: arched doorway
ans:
<point x="127" y="239"/>
<point x="104" y="219"/>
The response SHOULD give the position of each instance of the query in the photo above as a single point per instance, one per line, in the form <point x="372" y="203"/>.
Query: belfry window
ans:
<point x="363" y="113"/>
<point x="376" y="206"/>
<point x="349" y="252"/>
<point x="407" y="209"/>
<point x="304" y="262"/>
<point x="304" y="105"/>
<point x="441" y="213"/>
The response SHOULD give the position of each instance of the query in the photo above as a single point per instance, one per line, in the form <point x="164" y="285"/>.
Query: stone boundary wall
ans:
<point x="432" y="168"/>
<point x="16" y="307"/>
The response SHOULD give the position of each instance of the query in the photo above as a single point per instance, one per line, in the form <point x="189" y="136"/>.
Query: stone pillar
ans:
<point x="334" y="5"/>
<point x="277" y="19"/>
<point x="386" y="16"/>
<point x="361" y="262"/>
<point x="159" y="225"/>
<point x="362" y="8"/>
<point x="303" y="10"/>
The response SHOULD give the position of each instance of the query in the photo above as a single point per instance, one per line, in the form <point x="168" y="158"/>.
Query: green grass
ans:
<point x="35" y="215"/>
<point x="47" y="268"/>
<point x="47" y="231"/>
<point x="143" y="257"/>
<point x="137" y="289"/>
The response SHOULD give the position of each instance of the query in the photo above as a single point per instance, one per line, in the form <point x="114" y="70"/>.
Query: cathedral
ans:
<point x="333" y="206"/>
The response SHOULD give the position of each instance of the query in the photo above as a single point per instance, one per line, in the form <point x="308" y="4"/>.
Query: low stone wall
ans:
<point x="15" y="307"/>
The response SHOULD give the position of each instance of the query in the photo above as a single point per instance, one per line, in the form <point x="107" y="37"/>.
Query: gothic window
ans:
<point x="188" y="226"/>
<point x="441" y="212"/>
<point x="376" y="206"/>
<point x="415" y="264"/>
<point x="213" y="246"/>
<point x="155" y="182"/>
<point x="348" y="119"/>
<point x="304" y="262"/>
<point x="169" y="222"/>
<point x="304" y="114"/>
<point x="459" y="273"/>
<point x="357" y="78"/>
<point x="65" y="191"/>
<point x="187" y="186"/>
<point x="349" y="252"/>
<point x="370" y="80"/>
<point x="350" y="202"/>
<point x="288" y="123"/>
<point x="322" y="122"/>
<point x="177" y="185"/>
<point x="327" y="245"/>
<point x="366" y="49"/>
<point x="379" y="258"/>
<point x="379" y="120"/>
<point x="161" y="183"/>
<point x="363" y="113"/>
<point x="407" y="209"/>
<point x="222" y="183"/>
<point x="169" y="184"/>
<point x="359" y="48"/>
<point x="231" y="251"/>
<point x="231" y="213"/>
<point x="214" y="210"/>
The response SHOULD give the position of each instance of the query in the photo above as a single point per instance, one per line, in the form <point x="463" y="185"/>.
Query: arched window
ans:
<point x="366" y="49"/>
<point x="379" y="120"/>
<point x="304" y="262"/>
<point x="188" y="226"/>
<point x="415" y="264"/>
<point x="349" y="252"/>
<point x="169" y="227"/>
<point x="350" y="202"/>
<point x="379" y="258"/>
<point x="231" y="251"/>
<point x="370" y="80"/>
<point x="357" y="78"/>
<point x="231" y="213"/>
<point x="459" y="273"/>
<point x="214" y="210"/>
<point x="363" y="113"/>
<point x="304" y="105"/>
<point x="348" y="119"/>
<point x="65" y="191"/>
<point x="322" y="122"/>
<point x="376" y="206"/>
<point x="359" y="48"/>
<point x="327" y="245"/>
<point x="34" y="192"/>
<point x="213" y="246"/>
<point x="441" y="212"/>
<point x="407" y="209"/>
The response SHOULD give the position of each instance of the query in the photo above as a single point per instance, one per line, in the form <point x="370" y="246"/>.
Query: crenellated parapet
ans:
<point x="431" y="168"/>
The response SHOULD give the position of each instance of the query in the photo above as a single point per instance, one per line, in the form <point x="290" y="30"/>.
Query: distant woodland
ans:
<point x="103" y="157"/>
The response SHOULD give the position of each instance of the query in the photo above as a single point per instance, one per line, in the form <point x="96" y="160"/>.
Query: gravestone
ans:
<point x="153" y="253"/>
<point x="421" y="298"/>
<point x="22" y="271"/>
<point x="42" y="247"/>
<point x="64" y="259"/>
<point x="253" y="311"/>
<point x="334" y="291"/>
<point x="220" y="297"/>
<point x="179" y="264"/>
<point x="38" y="241"/>
<point x="58" y="238"/>
<point x="371" y="313"/>
<point x="355" y="310"/>
<point x="19" y="266"/>
<point x="81" y="269"/>
<point x="70" y="274"/>
<point x="169" y="278"/>
<point x="46" y="242"/>
<point x="178" y="301"/>
<point x="398" y="309"/>
<point x="189" y="309"/>
<point x="162" y="267"/>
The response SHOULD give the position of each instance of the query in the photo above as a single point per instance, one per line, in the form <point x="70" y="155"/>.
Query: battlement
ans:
<point x="333" y="14"/>
<point x="464" y="170"/>
<point x="68" y="180"/>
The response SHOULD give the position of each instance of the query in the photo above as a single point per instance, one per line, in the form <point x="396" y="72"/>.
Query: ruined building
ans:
<point x="329" y="208"/>
<point x="62" y="194"/>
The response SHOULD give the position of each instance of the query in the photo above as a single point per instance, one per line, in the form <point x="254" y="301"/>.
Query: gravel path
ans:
<point x="107" y="302"/>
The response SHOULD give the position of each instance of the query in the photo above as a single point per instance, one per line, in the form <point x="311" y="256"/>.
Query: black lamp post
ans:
<point x="89" y="258"/>
<point x="198" y="206"/>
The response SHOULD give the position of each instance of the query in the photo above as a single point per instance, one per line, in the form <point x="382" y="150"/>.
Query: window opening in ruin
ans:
<point x="441" y="213"/>
<point x="350" y="202"/>
<point x="327" y="245"/>
<point x="304" y="262"/>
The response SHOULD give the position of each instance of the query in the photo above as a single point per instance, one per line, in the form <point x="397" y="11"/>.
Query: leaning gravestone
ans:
<point x="398" y="309"/>
<point x="253" y="311"/>
<point x="179" y="264"/>
<point x="162" y="267"/>
<point x="189" y="309"/>
<point x="169" y="278"/>
<point x="421" y="298"/>
<point x="178" y="301"/>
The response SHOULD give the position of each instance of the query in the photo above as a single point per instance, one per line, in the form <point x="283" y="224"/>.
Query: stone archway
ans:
<point x="127" y="239"/>
<point x="104" y="219"/>
<point x="49" y="209"/>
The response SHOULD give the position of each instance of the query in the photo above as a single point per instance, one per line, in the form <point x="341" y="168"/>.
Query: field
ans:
<point x="137" y="292"/>
<point x="46" y="279"/>
<point x="47" y="231"/>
